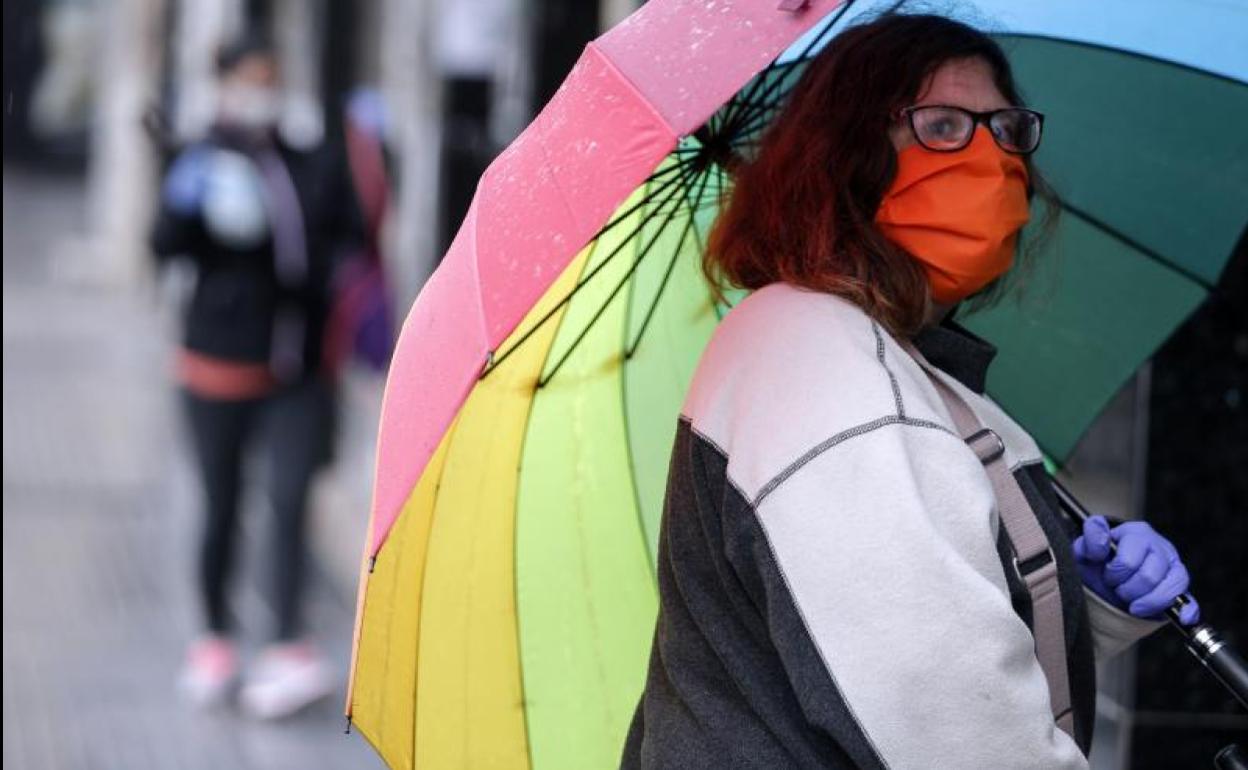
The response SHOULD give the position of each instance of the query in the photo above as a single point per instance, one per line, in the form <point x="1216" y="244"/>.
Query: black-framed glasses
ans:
<point x="942" y="128"/>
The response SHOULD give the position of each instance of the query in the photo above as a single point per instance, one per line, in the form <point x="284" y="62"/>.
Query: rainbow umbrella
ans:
<point x="503" y="621"/>
<point x="508" y="600"/>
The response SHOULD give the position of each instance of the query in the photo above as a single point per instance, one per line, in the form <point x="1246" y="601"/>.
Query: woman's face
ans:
<point x="965" y="83"/>
<point x="249" y="97"/>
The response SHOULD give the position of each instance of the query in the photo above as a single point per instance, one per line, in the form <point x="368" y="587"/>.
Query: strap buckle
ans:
<point x="1037" y="568"/>
<point x="986" y="444"/>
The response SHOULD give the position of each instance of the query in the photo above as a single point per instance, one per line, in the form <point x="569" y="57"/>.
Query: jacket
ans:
<point x="835" y="588"/>
<point x="238" y="295"/>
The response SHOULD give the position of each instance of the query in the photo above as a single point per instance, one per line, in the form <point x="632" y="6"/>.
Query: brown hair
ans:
<point x="803" y="210"/>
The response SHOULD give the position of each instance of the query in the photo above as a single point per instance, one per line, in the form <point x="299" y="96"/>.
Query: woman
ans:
<point x="837" y="587"/>
<point x="258" y="220"/>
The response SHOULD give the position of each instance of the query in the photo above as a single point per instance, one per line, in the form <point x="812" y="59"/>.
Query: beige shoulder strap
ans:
<point x="1033" y="558"/>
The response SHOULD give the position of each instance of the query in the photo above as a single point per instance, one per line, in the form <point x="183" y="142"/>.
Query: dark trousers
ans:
<point x="296" y="424"/>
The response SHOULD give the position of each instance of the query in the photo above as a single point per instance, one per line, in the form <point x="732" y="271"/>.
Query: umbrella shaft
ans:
<point x="1221" y="659"/>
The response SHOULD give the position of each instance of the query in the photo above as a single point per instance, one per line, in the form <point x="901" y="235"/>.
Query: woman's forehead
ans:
<point x="966" y="83"/>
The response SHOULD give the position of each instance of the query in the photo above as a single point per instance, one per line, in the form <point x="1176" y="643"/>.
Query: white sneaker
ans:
<point x="210" y="671"/>
<point x="284" y="679"/>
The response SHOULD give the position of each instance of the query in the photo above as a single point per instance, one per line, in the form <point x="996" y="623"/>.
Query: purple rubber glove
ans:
<point x="187" y="181"/>
<point x="1145" y="576"/>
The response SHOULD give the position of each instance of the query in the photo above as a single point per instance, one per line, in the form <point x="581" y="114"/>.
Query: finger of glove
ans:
<point x="1133" y="527"/>
<point x="1133" y="548"/>
<point x="1156" y="540"/>
<point x="1093" y="544"/>
<point x="1144" y="528"/>
<point x="1190" y="614"/>
<point x="1157" y="600"/>
<point x="1166" y="547"/>
<point x="1150" y="575"/>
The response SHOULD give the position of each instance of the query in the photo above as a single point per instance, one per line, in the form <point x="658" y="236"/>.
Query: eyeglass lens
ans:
<point x="948" y="128"/>
<point x="1015" y="130"/>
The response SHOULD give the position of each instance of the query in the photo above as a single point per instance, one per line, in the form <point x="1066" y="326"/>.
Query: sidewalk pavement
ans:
<point x="98" y="529"/>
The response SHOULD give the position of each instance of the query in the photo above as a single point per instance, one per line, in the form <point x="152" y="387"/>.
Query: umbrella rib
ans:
<point x="755" y="98"/>
<point x="759" y="118"/>
<point x="742" y="109"/>
<point x="628" y="439"/>
<point x="424" y="570"/>
<point x="741" y="101"/>
<point x="670" y="183"/>
<point x="546" y="378"/>
<point x="759" y="110"/>
<point x="1130" y="242"/>
<point x="678" y="166"/>
<point x="654" y="304"/>
<point x="754" y="93"/>
<point x="719" y="314"/>
<point x="704" y="177"/>
<point x="515" y="559"/>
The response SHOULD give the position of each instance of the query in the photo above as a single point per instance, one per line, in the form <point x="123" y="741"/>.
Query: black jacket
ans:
<point x="238" y="294"/>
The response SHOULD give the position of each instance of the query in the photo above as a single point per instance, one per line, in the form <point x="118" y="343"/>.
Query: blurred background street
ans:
<point x="101" y="500"/>
<point x="99" y="510"/>
<point x="102" y="504"/>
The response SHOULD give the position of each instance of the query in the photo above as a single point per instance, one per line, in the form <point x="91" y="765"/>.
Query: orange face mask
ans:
<point x="958" y="213"/>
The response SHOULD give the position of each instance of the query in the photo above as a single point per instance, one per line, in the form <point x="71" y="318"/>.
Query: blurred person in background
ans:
<point x="262" y="223"/>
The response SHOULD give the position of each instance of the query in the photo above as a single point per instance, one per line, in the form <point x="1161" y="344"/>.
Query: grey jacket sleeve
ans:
<point x="887" y="546"/>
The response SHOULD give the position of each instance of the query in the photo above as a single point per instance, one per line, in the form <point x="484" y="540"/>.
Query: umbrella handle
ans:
<point x="1203" y="641"/>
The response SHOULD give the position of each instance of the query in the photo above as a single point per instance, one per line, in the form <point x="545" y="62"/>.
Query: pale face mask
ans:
<point x="252" y="107"/>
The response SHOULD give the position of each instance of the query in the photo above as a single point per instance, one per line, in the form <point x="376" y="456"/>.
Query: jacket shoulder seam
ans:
<point x="837" y="439"/>
<point x="892" y="379"/>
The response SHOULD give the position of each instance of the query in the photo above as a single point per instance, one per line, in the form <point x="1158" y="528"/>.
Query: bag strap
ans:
<point x="1034" y="561"/>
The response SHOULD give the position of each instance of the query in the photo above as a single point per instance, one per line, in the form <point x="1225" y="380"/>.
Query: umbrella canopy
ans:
<point x="656" y="77"/>
<point x="507" y="616"/>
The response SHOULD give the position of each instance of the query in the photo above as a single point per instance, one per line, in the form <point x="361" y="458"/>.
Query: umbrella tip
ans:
<point x="348" y="730"/>
<point x="372" y="565"/>
<point x="488" y="366"/>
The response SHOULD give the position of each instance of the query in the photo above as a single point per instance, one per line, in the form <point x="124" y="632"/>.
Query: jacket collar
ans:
<point x="957" y="352"/>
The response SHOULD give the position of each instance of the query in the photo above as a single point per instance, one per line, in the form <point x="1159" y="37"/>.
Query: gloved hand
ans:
<point x="1145" y="576"/>
<point x="187" y="181"/>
